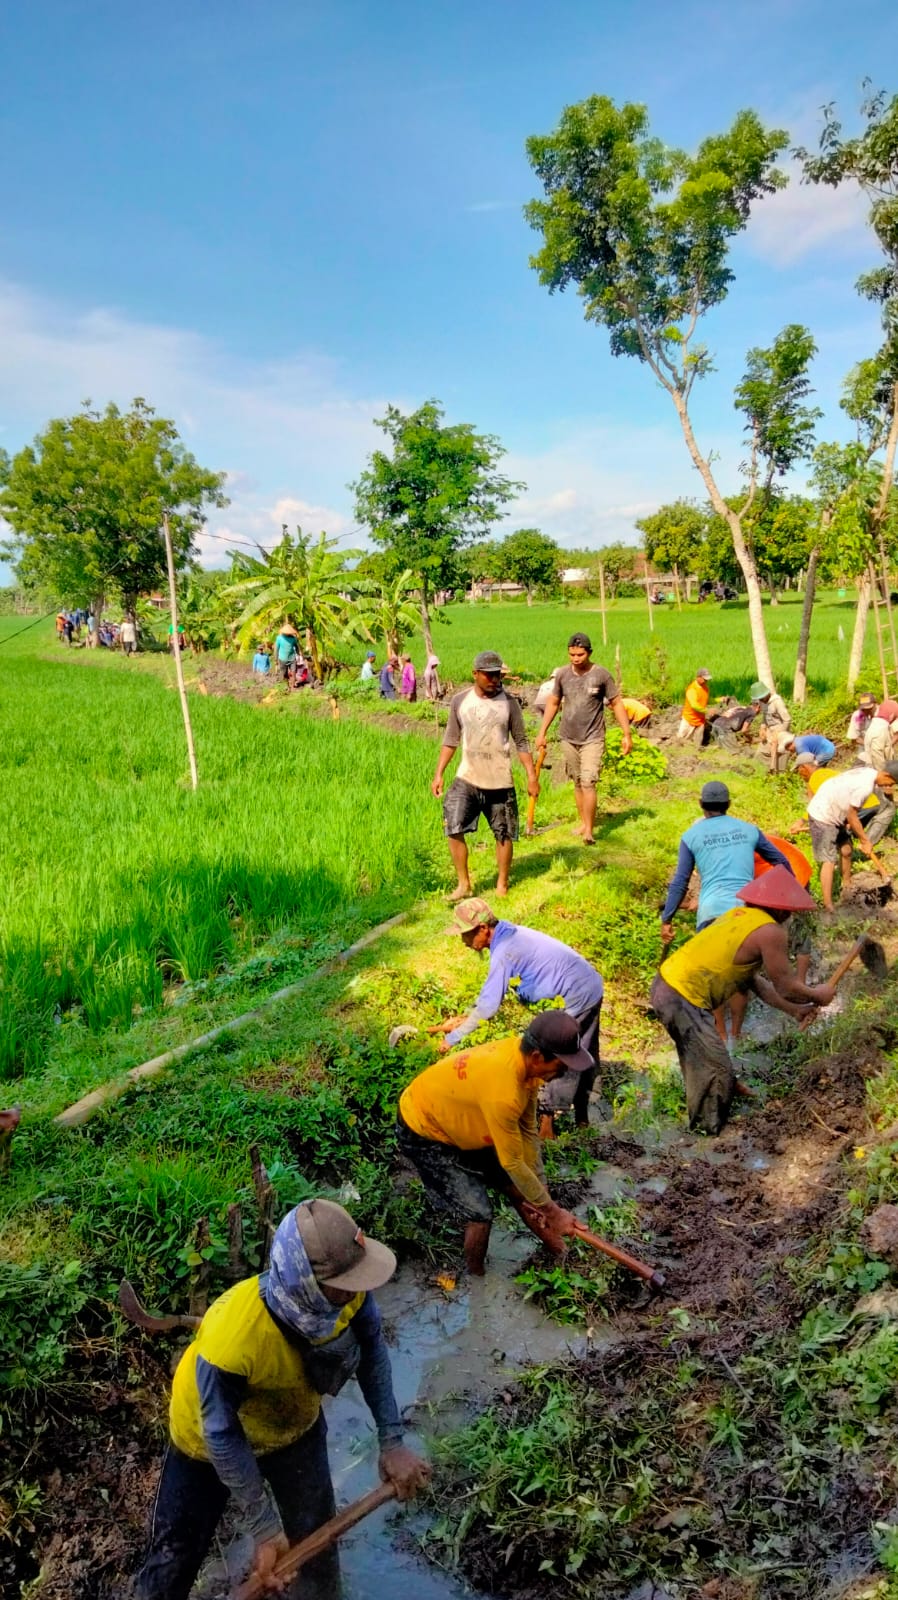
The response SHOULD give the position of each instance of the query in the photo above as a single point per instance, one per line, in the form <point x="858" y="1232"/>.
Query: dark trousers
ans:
<point x="190" y="1500"/>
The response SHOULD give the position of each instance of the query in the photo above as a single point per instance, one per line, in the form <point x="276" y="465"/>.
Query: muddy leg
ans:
<point x="504" y="853"/>
<point x="738" y="1006"/>
<point x="477" y="1238"/>
<point x="189" y="1502"/>
<point x="300" y="1480"/>
<point x="827" y="873"/>
<point x="845" y="867"/>
<point x="458" y="850"/>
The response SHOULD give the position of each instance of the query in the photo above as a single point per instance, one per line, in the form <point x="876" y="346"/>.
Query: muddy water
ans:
<point x="449" y="1352"/>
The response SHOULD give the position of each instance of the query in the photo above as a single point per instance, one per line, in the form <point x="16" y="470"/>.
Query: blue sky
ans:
<point x="272" y="219"/>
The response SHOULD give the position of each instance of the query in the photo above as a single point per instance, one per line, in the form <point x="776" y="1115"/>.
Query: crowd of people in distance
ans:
<point x="291" y="666"/>
<point x="397" y="679"/>
<point x="80" y="626"/>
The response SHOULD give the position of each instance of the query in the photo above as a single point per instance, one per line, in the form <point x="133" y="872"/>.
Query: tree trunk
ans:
<point x="312" y="647"/>
<point x="425" y="621"/>
<point x="529" y="595"/>
<point x="743" y="554"/>
<point x="774" y="597"/>
<point x="393" y="643"/>
<point x="860" y="630"/>
<point x="800" y="683"/>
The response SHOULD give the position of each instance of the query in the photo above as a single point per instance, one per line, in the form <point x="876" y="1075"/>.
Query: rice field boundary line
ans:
<point x="73" y="1116"/>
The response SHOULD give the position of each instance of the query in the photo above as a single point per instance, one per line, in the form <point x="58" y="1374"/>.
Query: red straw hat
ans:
<point x="777" y="890"/>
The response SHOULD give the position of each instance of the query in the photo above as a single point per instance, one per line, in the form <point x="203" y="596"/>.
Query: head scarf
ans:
<point x="888" y="710"/>
<point x="433" y="661"/>
<point x="290" y="1289"/>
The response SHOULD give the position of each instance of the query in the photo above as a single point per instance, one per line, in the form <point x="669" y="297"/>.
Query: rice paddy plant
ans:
<point x="116" y="879"/>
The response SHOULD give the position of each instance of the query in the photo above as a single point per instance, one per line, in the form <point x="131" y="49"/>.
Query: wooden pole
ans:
<point x="875" y="600"/>
<point x="676" y="578"/>
<point x="648" y="600"/>
<point x="176" y="647"/>
<point x="602" y="601"/>
<point x="617" y="664"/>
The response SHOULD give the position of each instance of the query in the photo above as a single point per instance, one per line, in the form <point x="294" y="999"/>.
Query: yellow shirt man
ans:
<point x="478" y="1098"/>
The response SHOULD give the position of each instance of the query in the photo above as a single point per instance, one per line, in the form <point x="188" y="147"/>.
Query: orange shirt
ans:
<point x="695" y="703"/>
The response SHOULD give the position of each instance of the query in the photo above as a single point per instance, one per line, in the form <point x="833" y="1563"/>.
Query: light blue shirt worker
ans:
<point x="722" y="850"/>
<point x="547" y="969"/>
<point x="816" y="745"/>
<point x="261" y="661"/>
<point x="285" y="647"/>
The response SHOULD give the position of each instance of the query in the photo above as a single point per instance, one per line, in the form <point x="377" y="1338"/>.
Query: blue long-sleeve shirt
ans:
<point x="222" y="1393"/>
<point x="816" y="745"/>
<point x="722" y="849"/>
<point x="547" y="970"/>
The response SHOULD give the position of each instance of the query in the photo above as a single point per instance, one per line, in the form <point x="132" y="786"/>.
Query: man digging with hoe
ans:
<point x="468" y="1125"/>
<point x="246" y="1419"/>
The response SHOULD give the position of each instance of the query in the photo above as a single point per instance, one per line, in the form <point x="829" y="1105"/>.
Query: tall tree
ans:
<point x="531" y="559"/>
<point x="85" y="503"/>
<point x="438" y="491"/>
<point x="644" y="231"/>
<point x="870" y="159"/>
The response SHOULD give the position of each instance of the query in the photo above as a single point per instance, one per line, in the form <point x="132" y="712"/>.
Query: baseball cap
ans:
<point x="370" y="654"/>
<point x="804" y="759"/>
<point x="715" y="793"/>
<point x="759" y="691"/>
<point x="488" y="661"/>
<point x="470" y="914"/>
<point x="340" y="1255"/>
<point x="891" y="767"/>
<point x="579" y="641"/>
<point x="776" y="890"/>
<point x="867" y="701"/>
<point x="556" y="1034"/>
<point x="703" y="673"/>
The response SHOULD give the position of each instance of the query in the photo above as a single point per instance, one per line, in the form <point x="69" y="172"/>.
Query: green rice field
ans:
<point x="117" y="880"/>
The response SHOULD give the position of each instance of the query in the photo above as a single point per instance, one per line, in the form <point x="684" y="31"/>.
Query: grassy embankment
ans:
<point x="271" y="845"/>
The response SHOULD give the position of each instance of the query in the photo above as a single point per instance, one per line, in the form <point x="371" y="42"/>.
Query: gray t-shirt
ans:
<point x="484" y="726"/>
<point x="583" y="696"/>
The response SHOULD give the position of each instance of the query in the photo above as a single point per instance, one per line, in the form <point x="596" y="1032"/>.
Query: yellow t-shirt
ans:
<point x="695" y="703"/>
<point x="477" y="1098"/>
<point x="239" y="1335"/>
<point x="636" y="711"/>
<point x="704" y="971"/>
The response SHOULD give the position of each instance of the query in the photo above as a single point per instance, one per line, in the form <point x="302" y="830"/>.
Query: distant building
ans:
<point x="575" y="575"/>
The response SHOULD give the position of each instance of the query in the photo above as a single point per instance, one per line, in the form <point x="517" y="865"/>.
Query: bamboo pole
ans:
<point x="602" y="601"/>
<point x="648" y="600"/>
<point x="617" y="664"/>
<point x="176" y="647"/>
<point x="676" y="578"/>
<point x="84" y="1108"/>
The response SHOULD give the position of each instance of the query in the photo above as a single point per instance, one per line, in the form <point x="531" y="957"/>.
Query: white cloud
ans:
<point x="288" y="432"/>
<point x="795" y="222"/>
<point x="481" y="206"/>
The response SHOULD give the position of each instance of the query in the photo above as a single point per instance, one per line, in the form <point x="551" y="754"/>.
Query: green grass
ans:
<point x="533" y="640"/>
<point x="118" y="880"/>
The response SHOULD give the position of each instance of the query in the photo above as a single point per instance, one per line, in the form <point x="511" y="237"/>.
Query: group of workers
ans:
<point x="398" y="679"/>
<point x="245" y="1417"/>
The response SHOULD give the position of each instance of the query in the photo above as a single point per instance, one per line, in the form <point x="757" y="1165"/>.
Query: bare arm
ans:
<point x="623" y="722"/>
<point x="771" y="944"/>
<point x="549" y="715"/>
<point x="447" y="751"/>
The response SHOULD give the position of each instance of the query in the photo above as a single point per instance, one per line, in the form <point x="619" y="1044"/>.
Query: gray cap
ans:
<point x="487" y="661"/>
<point x="891" y="767"/>
<point x="715" y="793"/>
<point x="703" y="673"/>
<point x="804" y="759"/>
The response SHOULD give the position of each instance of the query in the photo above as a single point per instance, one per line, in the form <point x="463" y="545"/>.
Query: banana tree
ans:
<point x="390" y="611"/>
<point x="305" y="581"/>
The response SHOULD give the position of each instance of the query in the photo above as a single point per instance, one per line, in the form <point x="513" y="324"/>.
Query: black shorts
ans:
<point x="463" y="806"/>
<point x="457" y="1181"/>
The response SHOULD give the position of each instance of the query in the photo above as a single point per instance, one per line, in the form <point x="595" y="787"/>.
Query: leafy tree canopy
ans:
<point x="673" y="536"/>
<point x="530" y="558"/>
<point x="85" y="502"/>
<point x="643" y="230"/>
<point x="437" y="492"/>
<point x="772" y="396"/>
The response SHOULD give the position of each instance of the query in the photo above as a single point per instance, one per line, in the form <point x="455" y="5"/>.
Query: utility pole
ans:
<point x="176" y="646"/>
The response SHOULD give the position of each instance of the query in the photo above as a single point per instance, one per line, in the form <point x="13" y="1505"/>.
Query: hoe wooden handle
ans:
<point x="319" y="1541"/>
<point x="846" y="961"/>
<point x="641" y="1268"/>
